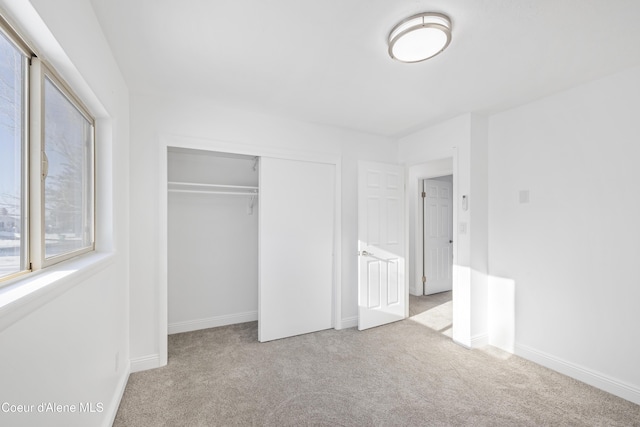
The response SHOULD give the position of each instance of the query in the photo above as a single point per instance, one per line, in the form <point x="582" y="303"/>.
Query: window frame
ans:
<point x="44" y="72"/>
<point x="27" y="53"/>
<point x="36" y="71"/>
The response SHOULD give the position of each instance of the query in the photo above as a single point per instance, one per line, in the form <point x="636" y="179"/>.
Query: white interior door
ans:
<point x="438" y="232"/>
<point x="382" y="294"/>
<point x="296" y="221"/>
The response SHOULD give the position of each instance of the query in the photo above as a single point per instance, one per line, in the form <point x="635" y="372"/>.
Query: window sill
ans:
<point x="29" y="292"/>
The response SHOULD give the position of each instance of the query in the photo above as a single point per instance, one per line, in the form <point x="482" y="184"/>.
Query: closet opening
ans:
<point x="233" y="221"/>
<point x="212" y="232"/>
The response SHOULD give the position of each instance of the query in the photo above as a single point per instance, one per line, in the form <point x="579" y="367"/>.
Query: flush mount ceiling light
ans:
<point x="420" y="37"/>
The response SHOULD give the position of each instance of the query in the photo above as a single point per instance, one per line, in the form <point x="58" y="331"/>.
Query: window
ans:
<point x="46" y="164"/>
<point x="13" y="89"/>
<point x="68" y="175"/>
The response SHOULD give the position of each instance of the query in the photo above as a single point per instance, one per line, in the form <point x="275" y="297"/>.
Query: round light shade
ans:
<point x="420" y="37"/>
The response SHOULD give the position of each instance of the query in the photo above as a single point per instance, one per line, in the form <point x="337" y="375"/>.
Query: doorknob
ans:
<point x="450" y="241"/>
<point x="365" y="253"/>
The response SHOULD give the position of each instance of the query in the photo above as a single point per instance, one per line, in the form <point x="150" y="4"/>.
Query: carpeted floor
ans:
<point x="403" y="374"/>
<point x="434" y="311"/>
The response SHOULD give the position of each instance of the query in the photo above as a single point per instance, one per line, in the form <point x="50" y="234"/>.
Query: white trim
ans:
<point x="461" y="344"/>
<point x="349" y="322"/>
<point x="594" y="378"/>
<point x="418" y="287"/>
<point x="117" y="397"/>
<point x="479" y="340"/>
<point x="163" y="254"/>
<point x="231" y="147"/>
<point x="145" y="363"/>
<point x="337" y="248"/>
<point x="212" y="322"/>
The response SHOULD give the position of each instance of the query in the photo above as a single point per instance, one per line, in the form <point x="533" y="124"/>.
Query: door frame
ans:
<point x="445" y="163"/>
<point x="421" y="234"/>
<point x="175" y="141"/>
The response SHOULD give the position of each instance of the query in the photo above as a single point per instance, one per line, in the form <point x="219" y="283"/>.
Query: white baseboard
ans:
<point x="145" y="363"/>
<point x="462" y="344"/>
<point x="117" y="397"/>
<point x="588" y="376"/>
<point x="475" y="342"/>
<point x="349" y="322"/>
<point x="479" y="341"/>
<point x="212" y="322"/>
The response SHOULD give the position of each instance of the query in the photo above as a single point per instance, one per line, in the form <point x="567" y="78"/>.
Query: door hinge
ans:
<point x="424" y="194"/>
<point x="424" y="279"/>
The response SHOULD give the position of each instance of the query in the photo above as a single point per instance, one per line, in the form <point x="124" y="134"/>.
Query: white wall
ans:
<point x="463" y="139"/>
<point x="212" y="244"/>
<point x="201" y="118"/>
<point x="478" y="224"/>
<point x="573" y="249"/>
<point x="69" y="343"/>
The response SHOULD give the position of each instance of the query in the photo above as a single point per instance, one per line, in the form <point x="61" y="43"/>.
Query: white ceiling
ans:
<point x="326" y="61"/>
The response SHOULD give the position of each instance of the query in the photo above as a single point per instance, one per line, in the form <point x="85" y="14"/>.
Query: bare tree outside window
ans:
<point x="68" y="190"/>
<point x="49" y="220"/>
<point x="12" y="87"/>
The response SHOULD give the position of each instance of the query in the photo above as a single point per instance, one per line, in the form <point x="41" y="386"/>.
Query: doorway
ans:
<point x="431" y="302"/>
<point x="437" y="235"/>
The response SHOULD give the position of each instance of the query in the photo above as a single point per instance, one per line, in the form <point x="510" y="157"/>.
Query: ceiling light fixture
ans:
<point x="420" y="37"/>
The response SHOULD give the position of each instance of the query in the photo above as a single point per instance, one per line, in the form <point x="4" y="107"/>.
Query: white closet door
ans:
<point x="296" y="247"/>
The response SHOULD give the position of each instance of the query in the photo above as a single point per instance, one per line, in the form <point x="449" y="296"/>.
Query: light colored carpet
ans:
<point x="433" y="311"/>
<point x="403" y="374"/>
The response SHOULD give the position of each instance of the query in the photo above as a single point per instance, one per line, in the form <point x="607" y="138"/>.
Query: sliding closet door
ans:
<point x="296" y="247"/>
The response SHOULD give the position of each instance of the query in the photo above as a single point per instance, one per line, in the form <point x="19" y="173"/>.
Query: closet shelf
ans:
<point x="196" y="187"/>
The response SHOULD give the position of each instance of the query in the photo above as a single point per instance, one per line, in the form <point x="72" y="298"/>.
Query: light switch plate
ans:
<point x="462" y="228"/>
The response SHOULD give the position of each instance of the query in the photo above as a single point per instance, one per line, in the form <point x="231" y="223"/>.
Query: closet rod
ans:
<point x="198" y="184"/>
<point x="230" y="193"/>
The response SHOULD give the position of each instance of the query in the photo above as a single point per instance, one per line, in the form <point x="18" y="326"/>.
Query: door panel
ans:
<point x="381" y="283"/>
<point x="374" y="280"/>
<point x="438" y="250"/>
<point x="381" y="293"/>
<point x="297" y="202"/>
